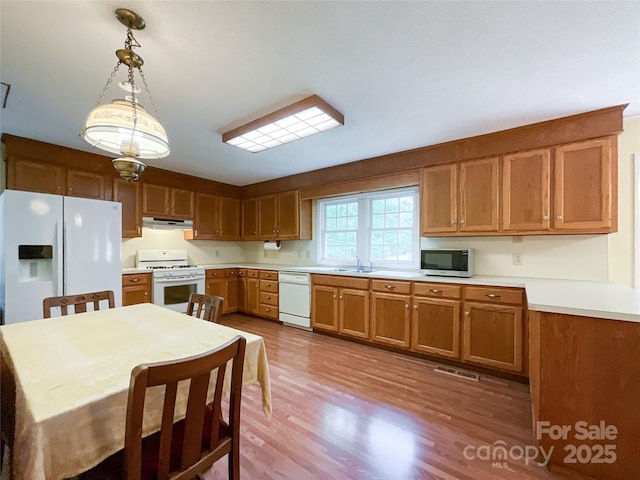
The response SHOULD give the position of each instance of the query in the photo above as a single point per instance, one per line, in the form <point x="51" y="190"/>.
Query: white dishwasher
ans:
<point x="295" y="299"/>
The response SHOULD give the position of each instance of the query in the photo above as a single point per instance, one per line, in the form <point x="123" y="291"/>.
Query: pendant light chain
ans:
<point x="146" y="87"/>
<point x="108" y="84"/>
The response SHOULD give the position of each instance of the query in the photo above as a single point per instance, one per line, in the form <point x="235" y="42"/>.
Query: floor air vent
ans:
<point x="458" y="373"/>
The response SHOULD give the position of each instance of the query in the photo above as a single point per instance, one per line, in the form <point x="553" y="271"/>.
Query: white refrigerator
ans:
<point x="52" y="245"/>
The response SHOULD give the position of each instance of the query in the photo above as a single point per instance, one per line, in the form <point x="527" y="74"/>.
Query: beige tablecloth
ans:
<point x="72" y="378"/>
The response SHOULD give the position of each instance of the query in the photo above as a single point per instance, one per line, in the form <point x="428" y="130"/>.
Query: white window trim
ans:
<point x="363" y="247"/>
<point x="636" y="229"/>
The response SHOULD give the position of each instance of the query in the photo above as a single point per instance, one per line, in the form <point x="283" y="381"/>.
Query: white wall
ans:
<point x="201" y="252"/>
<point x="621" y="244"/>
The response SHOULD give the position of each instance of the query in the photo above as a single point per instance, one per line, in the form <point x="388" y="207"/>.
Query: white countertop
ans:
<point x="571" y="297"/>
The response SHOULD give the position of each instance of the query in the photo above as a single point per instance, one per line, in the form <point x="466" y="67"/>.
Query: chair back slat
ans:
<point x="166" y="430"/>
<point x="207" y="307"/>
<point x="79" y="302"/>
<point x="217" y="407"/>
<point x="194" y="420"/>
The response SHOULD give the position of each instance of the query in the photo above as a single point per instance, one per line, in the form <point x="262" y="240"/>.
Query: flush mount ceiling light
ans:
<point x="307" y="117"/>
<point x="123" y="126"/>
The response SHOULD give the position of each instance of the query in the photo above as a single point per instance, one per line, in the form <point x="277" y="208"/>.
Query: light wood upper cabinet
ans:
<point x="88" y="185"/>
<point x="35" y="176"/>
<point x="478" y="195"/>
<point x="161" y="201"/>
<point x="583" y="196"/>
<point x="439" y="199"/>
<point x="526" y="187"/>
<point x="128" y="194"/>
<point x="250" y="219"/>
<point x="182" y="203"/>
<point x="281" y="216"/>
<point x="217" y="218"/>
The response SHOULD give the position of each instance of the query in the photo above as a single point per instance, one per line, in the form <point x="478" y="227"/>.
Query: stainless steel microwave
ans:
<point x="446" y="262"/>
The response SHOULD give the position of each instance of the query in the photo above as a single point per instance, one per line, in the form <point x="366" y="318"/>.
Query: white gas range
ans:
<point x="174" y="280"/>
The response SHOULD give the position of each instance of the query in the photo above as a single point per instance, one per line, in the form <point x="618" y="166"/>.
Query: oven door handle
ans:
<point x="178" y="279"/>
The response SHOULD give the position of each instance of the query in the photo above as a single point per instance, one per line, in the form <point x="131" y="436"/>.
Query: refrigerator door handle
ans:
<point x="59" y="261"/>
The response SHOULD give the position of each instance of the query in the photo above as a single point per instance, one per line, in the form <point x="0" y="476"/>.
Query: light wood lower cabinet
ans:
<point x="493" y="331"/>
<point x="476" y="325"/>
<point x="136" y="288"/>
<point x="340" y="304"/>
<point x="214" y="283"/>
<point x="231" y="290"/>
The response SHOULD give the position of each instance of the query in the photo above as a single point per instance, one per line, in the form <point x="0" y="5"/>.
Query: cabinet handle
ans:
<point x="268" y="284"/>
<point x="232" y="273"/>
<point x="466" y="314"/>
<point x="453" y="222"/>
<point x="559" y="217"/>
<point x="335" y="296"/>
<point x="267" y="309"/>
<point x="146" y="293"/>
<point x="268" y="297"/>
<point x="492" y="295"/>
<point x="461" y="221"/>
<point x="545" y="217"/>
<point x="138" y="229"/>
<point x="390" y="286"/>
<point x="433" y="290"/>
<point x="135" y="279"/>
<point x="340" y="297"/>
<point x="70" y="189"/>
<point x="415" y="307"/>
<point x="406" y="305"/>
<point x="274" y="230"/>
<point x="195" y="233"/>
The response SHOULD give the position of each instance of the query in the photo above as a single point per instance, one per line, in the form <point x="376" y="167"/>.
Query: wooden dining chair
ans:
<point x="207" y="307"/>
<point x="79" y="302"/>
<point x="188" y="448"/>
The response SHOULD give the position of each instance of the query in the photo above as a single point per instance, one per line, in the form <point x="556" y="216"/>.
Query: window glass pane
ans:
<point x="390" y="253"/>
<point x="352" y="209"/>
<point x="376" y="237"/>
<point x="376" y="252"/>
<point x="340" y="252"/>
<point x="329" y="238"/>
<point x="405" y="219"/>
<point x="390" y="237"/>
<point x="350" y="238"/>
<point x="331" y="211"/>
<point x="341" y="209"/>
<point x="404" y="237"/>
<point x="341" y="223"/>
<point x="352" y="223"/>
<point x="377" y="221"/>
<point x="377" y="206"/>
<point x="331" y="224"/>
<point x="340" y="238"/>
<point x="351" y="251"/>
<point x="391" y="220"/>
<point x="406" y="204"/>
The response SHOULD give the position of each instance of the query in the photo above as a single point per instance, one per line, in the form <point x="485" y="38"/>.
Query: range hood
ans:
<point x="167" y="223"/>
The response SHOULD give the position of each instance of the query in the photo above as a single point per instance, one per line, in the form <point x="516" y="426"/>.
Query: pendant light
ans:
<point x="123" y="126"/>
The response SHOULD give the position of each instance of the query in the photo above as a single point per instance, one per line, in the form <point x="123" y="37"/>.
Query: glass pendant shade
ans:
<point x="111" y="127"/>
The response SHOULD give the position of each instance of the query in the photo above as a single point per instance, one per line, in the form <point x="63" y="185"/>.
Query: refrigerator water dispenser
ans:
<point x="35" y="263"/>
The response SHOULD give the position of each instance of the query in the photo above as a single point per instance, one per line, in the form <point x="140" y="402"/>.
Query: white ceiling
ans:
<point x="404" y="74"/>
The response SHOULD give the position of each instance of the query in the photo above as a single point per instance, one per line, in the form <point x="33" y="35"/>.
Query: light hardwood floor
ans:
<point x="343" y="410"/>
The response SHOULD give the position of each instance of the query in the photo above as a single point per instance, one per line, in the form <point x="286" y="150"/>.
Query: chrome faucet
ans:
<point x="370" y="265"/>
<point x="358" y="265"/>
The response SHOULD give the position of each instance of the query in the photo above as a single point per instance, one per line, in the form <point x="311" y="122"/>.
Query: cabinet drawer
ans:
<point x="391" y="287"/>
<point x="253" y="273"/>
<point x="136" y="279"/>
<point x="268" y="286"/>
<point x="269" y="298"/>
<point x="438" y="290"/>
<point x="345" y="282"/>
<point x="242" y="272"/>
<point x="268" y="275"/>
<point x="231" y="272"/>
<point x="269" y="311"/>
<point x="494" y="295"/>
<point x="214" y="273"/>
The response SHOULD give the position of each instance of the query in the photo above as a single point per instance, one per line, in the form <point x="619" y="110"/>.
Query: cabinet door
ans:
<point x="288" y="215"/>
<point x="252" y="298"/>
<point x="231" y="291"/>
<point x="478" y="196"/>
<point x="229" y="218"/>
<point x="354" y="312"/>
<point x="181" y="204"/>
<point x="525" y="191"/>
<point x="128" y="194"/>
<point x="35" y="177"/>
<point x="155" y="200"/>
<point x="435" y="327"/>
<point x="250" y="219"/>
<point x="267" y="217"/>
<point x="206" y="218"/>
<point x="439" y="199"/>
<point x="86" y="185"/>
<point x="215" y="286"/>
<point x="583" y="190"/>
<point x="324" y="308"/>
<point x="390" y="319"/>
<point x="135" y="295"/>
<point x="492" y="335"/>
<point x="242" y="292"/>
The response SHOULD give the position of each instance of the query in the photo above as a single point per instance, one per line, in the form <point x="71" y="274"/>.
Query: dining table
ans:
<point x="65" y="380"/>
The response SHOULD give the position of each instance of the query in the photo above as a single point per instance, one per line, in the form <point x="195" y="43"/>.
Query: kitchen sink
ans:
<point x="353" y="270"/>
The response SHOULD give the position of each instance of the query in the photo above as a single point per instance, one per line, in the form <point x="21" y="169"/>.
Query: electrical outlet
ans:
<point x="517" y="259"/>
